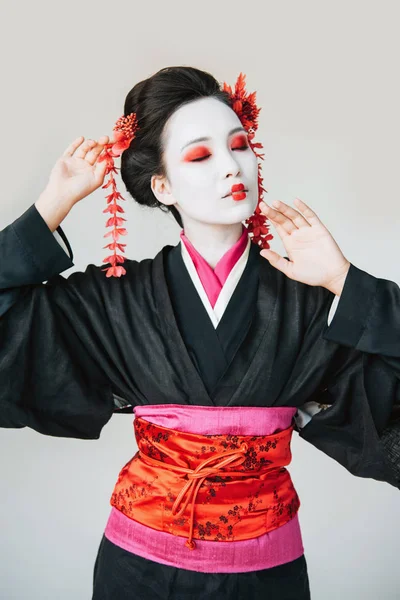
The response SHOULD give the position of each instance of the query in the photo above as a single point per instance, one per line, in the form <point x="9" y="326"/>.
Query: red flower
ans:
<point x="246" y="109"/>
<point x="124" y="132"/>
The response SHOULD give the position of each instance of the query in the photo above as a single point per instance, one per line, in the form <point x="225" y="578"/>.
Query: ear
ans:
<point x="162" y="190"/>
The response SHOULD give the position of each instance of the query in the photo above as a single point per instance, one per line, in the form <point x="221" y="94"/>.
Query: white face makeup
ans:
<point x="200" y="173"/>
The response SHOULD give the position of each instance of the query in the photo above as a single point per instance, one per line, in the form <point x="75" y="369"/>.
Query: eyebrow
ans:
<point x="203" y="139"/>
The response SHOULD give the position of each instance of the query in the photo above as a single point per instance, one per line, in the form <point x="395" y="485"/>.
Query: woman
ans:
<point x="219" y="352"/>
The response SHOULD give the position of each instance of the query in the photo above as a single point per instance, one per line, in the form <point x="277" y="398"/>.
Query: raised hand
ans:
<point x="77" y="173"/>
<point x="315" y="257"/>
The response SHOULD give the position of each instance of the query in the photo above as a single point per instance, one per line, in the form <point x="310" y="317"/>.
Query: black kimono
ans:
<point x="74" y="351"/>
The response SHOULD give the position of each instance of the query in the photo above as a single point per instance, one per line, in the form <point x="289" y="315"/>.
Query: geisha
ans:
<point x="220" y="349"/>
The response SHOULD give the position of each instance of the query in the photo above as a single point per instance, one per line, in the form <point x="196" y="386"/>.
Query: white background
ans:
<point x="326" y="75"/>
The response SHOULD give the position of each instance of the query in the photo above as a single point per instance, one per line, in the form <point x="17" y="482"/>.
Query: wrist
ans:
<point x="52" y="208"/>
<point x="336" y="284"/>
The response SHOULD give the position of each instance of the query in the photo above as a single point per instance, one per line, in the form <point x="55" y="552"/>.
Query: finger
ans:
<point x="280" y="230"/>
<point x="100" y="171"/>
<point x="94" y="153"/>
<point x="104" y="139"/>
<point x="84" y="148"/>
<point x="308" y="213"/>
<point x="278" y="218"/>
<point x="73" y="146"/>
<point x="277" y="261"/>
<point x="296" y="217"/>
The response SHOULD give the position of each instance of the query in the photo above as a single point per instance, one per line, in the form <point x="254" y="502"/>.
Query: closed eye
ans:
<point x="208" y="155"/>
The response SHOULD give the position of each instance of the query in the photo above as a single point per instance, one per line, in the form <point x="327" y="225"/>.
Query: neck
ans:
<point x="212" y="241"/>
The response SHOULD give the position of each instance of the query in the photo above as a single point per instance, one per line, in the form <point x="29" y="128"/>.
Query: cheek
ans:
<point x="251" y="161"/>
<point x="251" y="170"/>
<point x="193" y="191"/>
<point x="179" y="178"/>
<point x="193" y="180"/>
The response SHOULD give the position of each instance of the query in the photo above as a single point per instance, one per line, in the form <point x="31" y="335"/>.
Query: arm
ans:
<point x="367" y="317"/>
<point x="353" y="420"/>
<point x="354" y="417"/>
<point x="58" y="355"/>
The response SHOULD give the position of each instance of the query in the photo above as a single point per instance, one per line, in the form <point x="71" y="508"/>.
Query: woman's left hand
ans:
<point x="315" y="257"/>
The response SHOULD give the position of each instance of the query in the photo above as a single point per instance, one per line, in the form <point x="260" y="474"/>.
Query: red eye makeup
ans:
<point x="196" y="154"/>
<point x="240" y="141"/>
<point x="200" y="153"/>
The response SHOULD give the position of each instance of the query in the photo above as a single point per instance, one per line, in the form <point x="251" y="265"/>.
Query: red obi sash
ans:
<point x="218" y="487"/>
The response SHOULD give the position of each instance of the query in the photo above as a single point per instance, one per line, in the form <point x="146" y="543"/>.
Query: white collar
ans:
<point x="228" y="288"/>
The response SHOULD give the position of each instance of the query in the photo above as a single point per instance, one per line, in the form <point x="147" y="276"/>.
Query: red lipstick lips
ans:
<point x="238" y="192"/>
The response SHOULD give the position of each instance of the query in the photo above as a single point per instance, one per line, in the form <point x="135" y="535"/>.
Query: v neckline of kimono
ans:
<point x="248" y="347"/>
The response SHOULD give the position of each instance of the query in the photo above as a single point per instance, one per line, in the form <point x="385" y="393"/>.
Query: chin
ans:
<point x="241" y="212"/>
<point x="236" y="215"/>
<point x="245" y="209"/>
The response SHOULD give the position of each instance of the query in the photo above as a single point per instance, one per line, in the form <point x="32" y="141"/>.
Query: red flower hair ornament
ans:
<point x="125" y="130"/>
<point x="245" y="107"/>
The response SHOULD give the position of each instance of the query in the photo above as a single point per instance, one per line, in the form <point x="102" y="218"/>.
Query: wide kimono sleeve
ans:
<point x="355" y="417"/>
<point x="59" y="359"/>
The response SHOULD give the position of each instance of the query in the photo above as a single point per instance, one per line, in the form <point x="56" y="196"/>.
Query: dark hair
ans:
<point x="154" y="100"/>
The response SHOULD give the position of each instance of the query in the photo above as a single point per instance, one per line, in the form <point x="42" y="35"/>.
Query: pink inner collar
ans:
<point x="214" y="279"/>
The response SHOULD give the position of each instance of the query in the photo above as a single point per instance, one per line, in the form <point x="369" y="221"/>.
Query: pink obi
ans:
<point x="139" y="530"/>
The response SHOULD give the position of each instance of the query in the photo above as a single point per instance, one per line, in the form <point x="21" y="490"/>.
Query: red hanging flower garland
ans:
<point x="246" y="109"/>
<point x="125" y="130"/>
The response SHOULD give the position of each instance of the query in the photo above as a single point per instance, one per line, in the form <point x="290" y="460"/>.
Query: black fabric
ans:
<point x="71" y="347"/>
<point x="359" y="431"/>
<point x="391" y="442"/>
<point x="211" y="349"/>
<point x="120" y="575"/>
<point x="66" y="242"/>
<point x="77" y="349"/>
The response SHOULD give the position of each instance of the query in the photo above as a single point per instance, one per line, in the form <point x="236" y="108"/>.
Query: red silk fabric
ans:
<point x="218" y="487"/>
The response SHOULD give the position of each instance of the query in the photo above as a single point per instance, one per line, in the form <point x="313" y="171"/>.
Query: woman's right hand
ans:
<point x="77" y="173"/>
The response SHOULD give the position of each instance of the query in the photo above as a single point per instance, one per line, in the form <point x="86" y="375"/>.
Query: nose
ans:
<point x="232" y="168"/>
<point x="233" y="173"/>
